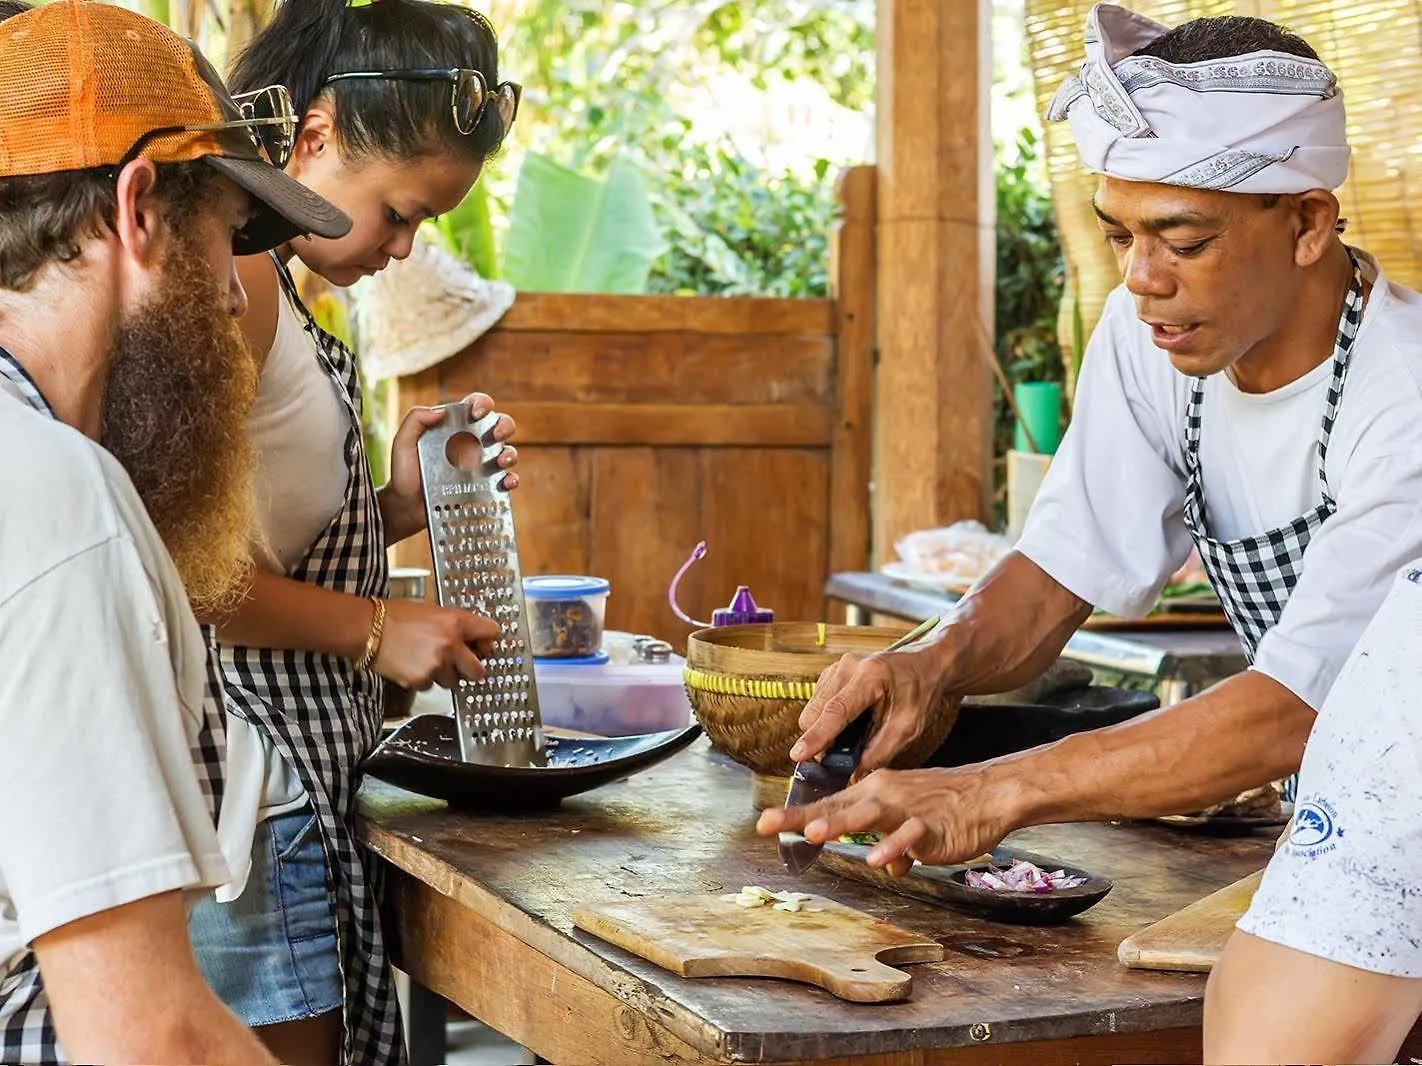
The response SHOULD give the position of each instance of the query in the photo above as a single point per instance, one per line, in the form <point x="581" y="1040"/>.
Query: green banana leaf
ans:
<point x="468" y="232"/>
<point x="569" y="232"/>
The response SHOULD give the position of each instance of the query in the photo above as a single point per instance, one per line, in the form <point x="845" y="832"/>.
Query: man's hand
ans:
<point x="1004" y="634"/>
<point x="935" y="816"/>
<point x="902" y="688"/>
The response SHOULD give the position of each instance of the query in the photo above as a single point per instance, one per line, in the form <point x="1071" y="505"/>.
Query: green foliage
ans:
<point x="573" y="233"/>
<point x="468" y="232"/>
<point x="1029" y="289"/>
<point x="737" y="230"/>
<point x="601" y="77"/>
<point x="829" y="43"/>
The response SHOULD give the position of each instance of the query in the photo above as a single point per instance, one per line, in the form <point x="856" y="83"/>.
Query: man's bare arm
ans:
<point x="124" y="988"/>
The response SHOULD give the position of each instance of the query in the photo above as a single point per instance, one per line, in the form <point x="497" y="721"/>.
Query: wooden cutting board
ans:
<point x="1191" y="939"/>
<point x="846" y="952"/>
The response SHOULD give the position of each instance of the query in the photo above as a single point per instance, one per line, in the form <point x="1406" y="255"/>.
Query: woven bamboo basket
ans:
<point x="748" y="685"/>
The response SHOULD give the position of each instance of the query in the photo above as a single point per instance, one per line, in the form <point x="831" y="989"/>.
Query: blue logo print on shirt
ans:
<point x="1315" y="831"/>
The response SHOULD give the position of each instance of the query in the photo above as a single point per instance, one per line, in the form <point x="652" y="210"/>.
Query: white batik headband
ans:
<point x="1264" y="122"/>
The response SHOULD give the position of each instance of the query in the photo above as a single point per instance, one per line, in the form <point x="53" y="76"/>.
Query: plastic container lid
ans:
<point x="588" y="677"/>
<point x="564" y="587"/>
<point x="600" y="659"/>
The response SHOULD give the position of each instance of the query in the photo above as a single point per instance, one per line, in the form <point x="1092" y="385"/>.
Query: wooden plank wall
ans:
<point x="649" y="423"/>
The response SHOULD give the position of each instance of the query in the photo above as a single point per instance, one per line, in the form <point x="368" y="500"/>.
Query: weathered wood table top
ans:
<point x="686" y="828"/>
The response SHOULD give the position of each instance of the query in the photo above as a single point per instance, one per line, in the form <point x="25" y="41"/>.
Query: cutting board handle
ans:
<point x="847" y="953"/>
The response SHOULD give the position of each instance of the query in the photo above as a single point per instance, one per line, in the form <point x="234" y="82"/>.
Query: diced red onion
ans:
<point x="1021" y="877"/>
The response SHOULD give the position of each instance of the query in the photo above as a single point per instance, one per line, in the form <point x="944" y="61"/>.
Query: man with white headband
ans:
<point x="1254" y="389"/>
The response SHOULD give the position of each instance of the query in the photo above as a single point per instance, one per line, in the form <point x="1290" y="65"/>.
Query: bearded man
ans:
<point x="128" y="180"/>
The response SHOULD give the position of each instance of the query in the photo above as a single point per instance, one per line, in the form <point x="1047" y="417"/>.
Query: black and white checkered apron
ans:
<point x="324" y="716"/>
<point x="26" y="1029"/>
<point x="1254" y="576"/>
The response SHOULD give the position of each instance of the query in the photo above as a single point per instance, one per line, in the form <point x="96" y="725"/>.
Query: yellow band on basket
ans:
<point x="730" y="685"/>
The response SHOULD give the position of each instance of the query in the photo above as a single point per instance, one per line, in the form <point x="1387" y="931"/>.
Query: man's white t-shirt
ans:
<point x="1346" y="884"/>
<point x="102" y="680"/>
<point x="1108" y="521"/>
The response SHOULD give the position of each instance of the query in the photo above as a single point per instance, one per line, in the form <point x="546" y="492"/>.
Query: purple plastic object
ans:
<point x="743" y="611"/>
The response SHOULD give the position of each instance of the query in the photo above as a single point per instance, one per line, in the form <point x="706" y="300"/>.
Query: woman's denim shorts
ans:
<point x="271" y="954"/>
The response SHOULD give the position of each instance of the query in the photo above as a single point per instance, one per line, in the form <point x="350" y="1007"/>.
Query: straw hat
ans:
<point x="424" y="310"/>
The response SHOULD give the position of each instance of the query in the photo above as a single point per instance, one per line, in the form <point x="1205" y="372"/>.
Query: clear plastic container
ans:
<point x="612" y="699"/>
<point x="565" y="615"/>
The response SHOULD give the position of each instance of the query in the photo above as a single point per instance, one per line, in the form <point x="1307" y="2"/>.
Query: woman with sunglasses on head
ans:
<point x="397" y="105"/>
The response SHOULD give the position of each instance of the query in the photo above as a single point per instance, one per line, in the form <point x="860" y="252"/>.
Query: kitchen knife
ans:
<point x="813" y="781"/>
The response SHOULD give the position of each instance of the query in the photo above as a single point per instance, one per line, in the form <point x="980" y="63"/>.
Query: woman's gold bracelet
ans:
<point x="377" y="631"/>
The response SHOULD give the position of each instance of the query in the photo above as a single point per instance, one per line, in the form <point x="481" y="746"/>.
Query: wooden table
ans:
<point x="480" y="912"/>
<point x="1181" y="661"/>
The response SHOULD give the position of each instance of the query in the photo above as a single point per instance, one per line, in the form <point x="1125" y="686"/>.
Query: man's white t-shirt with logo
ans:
<point x="102" y="679"/>
<point x="1346" y="884"/>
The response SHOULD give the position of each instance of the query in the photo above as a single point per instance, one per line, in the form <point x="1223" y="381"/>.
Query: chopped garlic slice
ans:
<point x="755" y="896"/>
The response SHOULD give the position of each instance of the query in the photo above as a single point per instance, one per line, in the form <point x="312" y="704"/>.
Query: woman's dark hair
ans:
<point x="309" y="40"/>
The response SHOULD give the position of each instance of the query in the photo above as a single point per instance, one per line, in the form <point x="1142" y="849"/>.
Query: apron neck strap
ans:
<point x="1348" y="323"/>
<point x="288" y="286"/>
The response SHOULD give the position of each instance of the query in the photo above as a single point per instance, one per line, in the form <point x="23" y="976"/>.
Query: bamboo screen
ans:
<point x="1375" y="48"/>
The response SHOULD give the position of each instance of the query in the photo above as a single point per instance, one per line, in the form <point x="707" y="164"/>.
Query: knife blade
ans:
<point x="813" y="781"/>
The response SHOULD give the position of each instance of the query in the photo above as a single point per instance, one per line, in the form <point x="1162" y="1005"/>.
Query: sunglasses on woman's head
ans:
<point x="274" y="121"/>
<point x="470" y="96"/>
<point x="268" y="118"/>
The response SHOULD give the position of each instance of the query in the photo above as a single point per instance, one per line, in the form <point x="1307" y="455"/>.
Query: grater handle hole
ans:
<point x="464" y="451"/>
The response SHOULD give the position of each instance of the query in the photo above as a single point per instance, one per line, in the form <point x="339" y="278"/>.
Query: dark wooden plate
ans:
<point x="945" y="886"/>
<point x="423" y="756"/>
<point x="1224" y="825"/>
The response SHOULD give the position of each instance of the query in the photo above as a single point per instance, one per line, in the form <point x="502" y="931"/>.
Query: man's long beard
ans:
<point x="181" y="386"/>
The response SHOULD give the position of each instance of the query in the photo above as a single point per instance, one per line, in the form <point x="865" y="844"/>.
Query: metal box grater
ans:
<point x="476" y="568"/>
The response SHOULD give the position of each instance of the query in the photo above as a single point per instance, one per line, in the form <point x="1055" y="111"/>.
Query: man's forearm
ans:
<point x="124" y="987"/>
<point x="1009" y="631"/>
<point x="1238" y="735"/>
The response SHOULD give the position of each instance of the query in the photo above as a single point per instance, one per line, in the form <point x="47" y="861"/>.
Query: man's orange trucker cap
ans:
<point x="81" y="82"/>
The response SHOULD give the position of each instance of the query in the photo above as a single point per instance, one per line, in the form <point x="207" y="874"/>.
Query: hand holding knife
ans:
<point x="814" y="781"/>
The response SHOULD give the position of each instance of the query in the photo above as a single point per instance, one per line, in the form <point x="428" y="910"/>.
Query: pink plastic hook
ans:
<point x="697" y="555"/>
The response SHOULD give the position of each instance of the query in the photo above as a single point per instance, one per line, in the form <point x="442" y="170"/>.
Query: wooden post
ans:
<point x="244" y="19"/>
<point x="932" y="421"/>
<point x="852" y="289"/>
